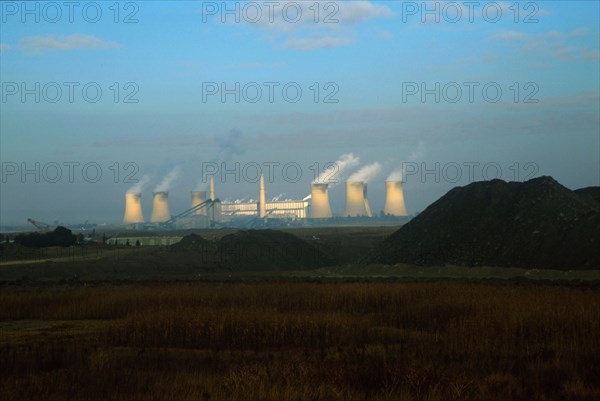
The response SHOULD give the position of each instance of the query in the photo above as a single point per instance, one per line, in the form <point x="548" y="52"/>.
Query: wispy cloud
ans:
<point x="41" y="44"/>
<point x="4" y="47"/>
<point x="554" y="44"/>
<point x="316" y="43"/>
<point x="327" y="15"/>
<point x="309" y="25"/>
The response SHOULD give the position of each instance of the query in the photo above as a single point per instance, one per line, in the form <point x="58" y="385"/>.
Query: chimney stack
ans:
<point x="133" y="208"/>
<point x="212" y="189"/>
<point x="262" y="199"/>
<point x="357" y="203"/>
<point x="320" y="208"/>
<point x="160" y="207"/>
<point x="394" y="199"/>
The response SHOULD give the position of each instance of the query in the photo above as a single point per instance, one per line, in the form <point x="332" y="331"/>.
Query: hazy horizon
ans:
<point x="388" y="83"/>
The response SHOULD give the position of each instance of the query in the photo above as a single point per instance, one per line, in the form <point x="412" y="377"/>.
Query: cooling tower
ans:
<point x="199" y="197"/>
<point x="320" y="208"/>
<point x="356" y="199"/>
<point x="160" y="207"/>
<point x="394" y="199"/>
<point x="133" y="208"/>
<point x="212" y="189"/>
<point x="262" y="199"/>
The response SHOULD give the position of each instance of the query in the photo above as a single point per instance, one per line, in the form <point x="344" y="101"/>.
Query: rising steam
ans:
<point x="416" y="154"/>
<point x="138" y="186"/>
<point x="366" y="173"/>
<point x="277" y="198"/>
<point x="166" y="183"/>
<point x="332" y="175"/>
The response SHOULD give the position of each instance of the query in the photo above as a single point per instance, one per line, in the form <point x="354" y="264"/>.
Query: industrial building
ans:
<point x="143" y="241"/>
<point x="286" y="209"/>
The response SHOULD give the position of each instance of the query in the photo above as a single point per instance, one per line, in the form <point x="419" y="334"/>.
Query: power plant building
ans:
<point x="285" y="209"/>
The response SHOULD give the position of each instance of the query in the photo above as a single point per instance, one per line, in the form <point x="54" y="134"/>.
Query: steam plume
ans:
<point x="416" y="154"/>
<point x="332" y="176"/>
<point x="277" y="198"/>
<point x="138" y="186"/>
<point x="166" y="183"/>
<point x="366" y="173"/>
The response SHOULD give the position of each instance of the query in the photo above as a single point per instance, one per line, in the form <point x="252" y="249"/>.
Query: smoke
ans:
<point x="230" y="144"/>
<point x="416" y="154"/>
<point x="277" y="198"/>
<point x="396" y="175"/>
<point x="366" y="173"/>
<point x="332" y="175"/>
<point x="166" y="183"/>
<point x="138" y="186"/>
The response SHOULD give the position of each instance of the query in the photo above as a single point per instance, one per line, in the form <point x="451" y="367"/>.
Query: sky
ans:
<point x="98" y="97"/>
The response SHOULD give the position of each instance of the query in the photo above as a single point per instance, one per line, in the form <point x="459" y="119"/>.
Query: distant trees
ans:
<point x="61" y="236"/>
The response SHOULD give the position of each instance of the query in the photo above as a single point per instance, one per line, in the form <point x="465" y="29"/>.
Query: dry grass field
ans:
<point x="285" y="341"/>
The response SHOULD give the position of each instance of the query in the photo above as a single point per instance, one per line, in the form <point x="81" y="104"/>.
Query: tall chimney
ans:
<point x="198" y="197"/>
<point x="356" y="199"/>
<point x="320" y="208"/>
<point x="394" y="199"/>
<point x="262" y="199"/>
<point x="133" y="208"/>
<point x="160" y="207"/>
<point x="212" y="189"/>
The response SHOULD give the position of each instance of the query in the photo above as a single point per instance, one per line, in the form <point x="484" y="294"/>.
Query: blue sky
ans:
<point x="365" y="61"/>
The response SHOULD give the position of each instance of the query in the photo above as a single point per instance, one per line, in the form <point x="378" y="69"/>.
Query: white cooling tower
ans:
<point x="212" y="189"/>
<point x="394" y="199"/>
<point x="357" y="203"/>
<point x="133" y="208"/>
<point x="198" y="197"/>
<point x="262" y="199"/>
<point x="320" y="208"/>
<point x="160" y="207"/>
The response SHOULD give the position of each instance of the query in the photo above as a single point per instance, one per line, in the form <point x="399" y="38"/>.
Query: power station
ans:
<point x="209" y="211"/>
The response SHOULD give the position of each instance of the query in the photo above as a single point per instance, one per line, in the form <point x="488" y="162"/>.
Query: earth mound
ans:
<point x="590" y="193"/>
<point x="269" y="250"/>
<point x="192" y="242"/>
<point x="538" y="223"/>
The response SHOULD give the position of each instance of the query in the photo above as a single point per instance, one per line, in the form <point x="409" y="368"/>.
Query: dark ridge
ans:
<point x="191" y="242"/>
<point x="538" y="223"/>
<point x="590" y="193"/>
<point x="267" y="250"/>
